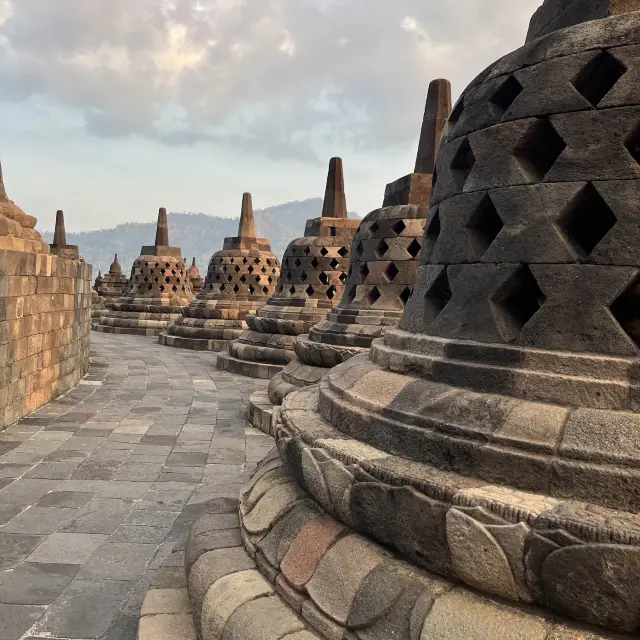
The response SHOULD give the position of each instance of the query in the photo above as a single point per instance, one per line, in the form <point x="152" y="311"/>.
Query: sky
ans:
<point x="111" y="109"/>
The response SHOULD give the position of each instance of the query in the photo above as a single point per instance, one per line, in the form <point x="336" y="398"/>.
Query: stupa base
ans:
<point x="135" y="331"/>
<point x="195" y="344"/>
<point x="260" y="412"/>
<point x="261" y="370"/>
<point x="302" y="574"/>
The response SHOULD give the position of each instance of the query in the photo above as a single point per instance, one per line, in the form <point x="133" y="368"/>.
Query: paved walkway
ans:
<point x="99" y="488"/>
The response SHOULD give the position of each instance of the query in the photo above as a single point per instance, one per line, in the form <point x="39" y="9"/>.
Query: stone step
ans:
<point x="263" y="370"/>
<point x="195" y="344"/>
<point x="260" y="411"/>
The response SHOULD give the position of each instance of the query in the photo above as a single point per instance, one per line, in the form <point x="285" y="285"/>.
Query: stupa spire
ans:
<point x="3" y="193"/>
<point x="436" y="113"/>
<point x="335" y="201"/>
<point x="162" y="231"/>
<point x="247" y="228"/>
<point x="193" y="262"/>
<point x="59" y="234"/>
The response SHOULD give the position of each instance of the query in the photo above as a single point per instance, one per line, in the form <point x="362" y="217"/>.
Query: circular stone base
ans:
<point x="301" y="574"/>
<point x="195" y="344"/>
<point x="262" y="370"/>
<point x="135" y="331"/>
<point x="260" y="412"/>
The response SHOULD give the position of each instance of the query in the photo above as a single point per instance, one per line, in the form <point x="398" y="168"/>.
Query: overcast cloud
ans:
<point x="281" y="80"/>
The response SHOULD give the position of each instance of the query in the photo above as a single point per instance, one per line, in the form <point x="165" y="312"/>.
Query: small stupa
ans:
<point x="17" y="229"/>
<point x="114" y="284"/>
<point x="98" y="281"/>
<point x="240" y="279"/>
<point x="158" y="290"/>
<point x="314" y="271"/>
<point x="384" y="262"/>
<point x="196" y="280"/>
<point x="59" y="246"/>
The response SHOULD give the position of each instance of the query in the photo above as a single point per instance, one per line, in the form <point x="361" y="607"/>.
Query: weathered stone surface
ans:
<point x="167" y="627"/>
<point x="226" y="595"/>
<point x="595" y="583"/>
<point x="461" y="616"/>
<point x="477" y="558"/>
<point x="272" y="506"/>
<point x="340" y="574"/>
<point x="212" y="566"/>
<point x="261" y="618"/>
<point x="308" y="548"/>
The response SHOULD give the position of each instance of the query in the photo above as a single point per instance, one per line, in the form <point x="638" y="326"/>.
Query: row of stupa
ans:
<point x="337" y="289"/>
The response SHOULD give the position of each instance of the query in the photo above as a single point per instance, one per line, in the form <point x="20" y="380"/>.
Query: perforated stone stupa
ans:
<point x="113" y="284"/>
<point x="158" y="289"/>
<point x="492" y="439"/>
<point x="196" y="280"/>
<point x="314" y="271"/>
<point x="382" y="271"/>
<point x="240" y="279"/>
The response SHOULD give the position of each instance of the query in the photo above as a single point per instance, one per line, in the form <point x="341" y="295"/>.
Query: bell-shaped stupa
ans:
<point x="240" y="279"/>
<point x="158" y="290"/>
<point x="114" y="284"/>
<point x="384" y="261"/>
<point x="98" y="281"/>
<point x="477" y="474"/>
<point x="196" y="280"/>
<point x="314" y="271"/>
<point x="17" y="229"/>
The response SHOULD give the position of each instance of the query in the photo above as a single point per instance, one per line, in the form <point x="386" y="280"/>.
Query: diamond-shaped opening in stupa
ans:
<point x="587" y="220"/>
<point x="391" y="271"/>
<point x="539" y="149"/>
<point x="485" y="223"/>
<point x="596" y="79"/>
<point x="437" y="296"/>
<point x="506" y="94"/>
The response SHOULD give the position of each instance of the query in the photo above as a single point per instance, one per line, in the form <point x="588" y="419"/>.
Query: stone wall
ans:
<point x="558" y="14"/>
<point x="45" y="320"/>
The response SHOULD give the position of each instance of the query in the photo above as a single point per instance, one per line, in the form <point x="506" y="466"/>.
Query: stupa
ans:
<point x="196" y="280"/>
<point x="59" y="246"/>
<point x="17" y="229"/>
<point x="97" y="281"/>
<point x="314" y="271"/>
<point x="114" y="284"/>
<point x="158" y="290"/>
<point x="240" y="279"/>
<point x="477" y="475"/>
<point x="382" y="271"/>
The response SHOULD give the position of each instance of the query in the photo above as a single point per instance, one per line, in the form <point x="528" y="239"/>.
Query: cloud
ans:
<point x="282" y="78"/>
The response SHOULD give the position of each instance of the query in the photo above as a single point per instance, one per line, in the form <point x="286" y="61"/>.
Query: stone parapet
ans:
<point x="45" y="319"/>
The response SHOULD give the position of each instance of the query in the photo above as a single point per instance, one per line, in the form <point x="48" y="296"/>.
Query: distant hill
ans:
<point x="197" y="234"/>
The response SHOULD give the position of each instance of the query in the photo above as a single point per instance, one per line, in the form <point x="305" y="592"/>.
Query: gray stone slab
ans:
<point x="73" y="499"/>
<point x="85" y="609"/>
<point x="15" y="547"/>
<point x="17" y="619"/>
<point x="39" y="520"/>
<point x="36" y="583"/>
<point x="26" y="490"/>
<point x="118" y="561"/>
<point x="99" y="515"/>
<point x="67" y="548"/>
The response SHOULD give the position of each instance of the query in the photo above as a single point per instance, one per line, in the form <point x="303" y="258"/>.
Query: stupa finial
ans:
<point x="3" y="193"/>
<point x="436" y="113"/>
<point x="162" y="231"/>
<point x="247" y="228"/>
<point x="335" y="201"/>
<point x="59" y="234"/>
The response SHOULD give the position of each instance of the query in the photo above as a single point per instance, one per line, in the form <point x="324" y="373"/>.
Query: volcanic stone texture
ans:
<point x="45" y="319"/>
<point x="158" y="289"/>
<point x="314" y="272"/>
<point x="240" y="279"/>
<point x="493" y="438"/>
<point x="558" y="14"/>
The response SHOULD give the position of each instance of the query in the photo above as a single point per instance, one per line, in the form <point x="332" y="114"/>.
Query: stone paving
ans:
<point x="99" y="488"/>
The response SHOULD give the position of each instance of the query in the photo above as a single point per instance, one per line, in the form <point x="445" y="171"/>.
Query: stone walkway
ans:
<point x="99" y="488"/>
